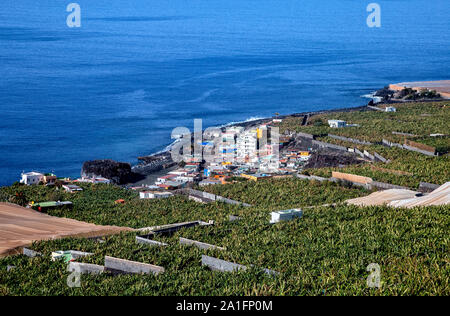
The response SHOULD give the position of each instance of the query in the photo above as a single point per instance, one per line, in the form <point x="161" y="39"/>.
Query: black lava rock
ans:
<point x="117" y="172"/>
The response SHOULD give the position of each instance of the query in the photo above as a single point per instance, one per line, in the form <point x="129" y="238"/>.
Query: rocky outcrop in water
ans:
<point x="407" y="94"/>
<point x="384" y="93"/>
<point x="118" y="172"/>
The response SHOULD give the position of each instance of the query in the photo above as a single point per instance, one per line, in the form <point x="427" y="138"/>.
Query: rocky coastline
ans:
<point x="387" y="95"/>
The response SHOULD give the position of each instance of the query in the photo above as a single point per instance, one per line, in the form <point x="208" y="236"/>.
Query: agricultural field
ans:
<point x="285" y="192"/>
<point x="417" y="119"/>
<point x="324" y="253"/>
<point x="416" y="167"/>
<point x="420" y="119"/>
<point x="95" y="204"/>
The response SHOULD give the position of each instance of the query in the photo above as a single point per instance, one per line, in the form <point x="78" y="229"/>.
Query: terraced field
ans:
<point x="417" y="167"/>
<point x="324" y="253"/>
<point x="418" y="119"/>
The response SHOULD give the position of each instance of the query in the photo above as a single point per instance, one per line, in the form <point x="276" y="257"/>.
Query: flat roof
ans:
<point x="168" y="176"/>
<point x="155" y="192"/>
<point x="53" y="203"/>
<point x="33" y="173"/>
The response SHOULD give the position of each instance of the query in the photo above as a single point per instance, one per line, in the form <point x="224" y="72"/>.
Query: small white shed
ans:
<point x="286" y="215"/>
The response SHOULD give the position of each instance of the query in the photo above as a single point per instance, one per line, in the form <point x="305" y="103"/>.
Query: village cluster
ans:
<point x="226" y="155"/>
<point x="243" y="153"/>
<point x="252" y="153"/>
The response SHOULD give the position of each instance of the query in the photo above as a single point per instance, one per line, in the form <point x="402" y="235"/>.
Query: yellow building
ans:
<point x="259" y="133"/>
<point x="255" y="177"/>
<point x="249" y="176"/>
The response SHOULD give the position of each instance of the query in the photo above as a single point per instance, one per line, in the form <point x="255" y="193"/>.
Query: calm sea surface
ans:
<point x="117" y="86"/>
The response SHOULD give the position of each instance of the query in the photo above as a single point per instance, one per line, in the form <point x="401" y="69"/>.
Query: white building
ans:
<point x="304" y="158"/>
<point x="336" y="123"/>
<point x="390" y="109"/>
<point x="71" y="188"/>
<point x="437" y="135"/>
<point x="214" y="167"/>
<point x="98" y="180"/>
<point x="286" y="215"/>
<point x="269" y="166"/>
<point x="247" y="146"/>
<point x="209" y="182"/>
<point x="30" y="178"/>
<point x="179" y="172"/>
<point x="186" y="178"/>
<point x="212" y="133"/>
<point x="154" y="195"/>
<point x="235" y="129"/>
<point x="226" y="148"/>
<point x="165" y="178"/>
<point x="192" y="167"/>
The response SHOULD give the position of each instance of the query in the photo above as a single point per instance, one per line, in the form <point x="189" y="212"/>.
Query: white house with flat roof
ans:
<point x="97" y="180"/>
<point x="336" y="123"/>
<point x="154" y="195"/>
<point x="390" y="109"/>
<point x="72" y="188"/>
<point x="30" y="178"/>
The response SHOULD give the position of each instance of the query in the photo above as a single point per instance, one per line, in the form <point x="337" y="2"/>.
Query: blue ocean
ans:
<point x="116" y="86"/>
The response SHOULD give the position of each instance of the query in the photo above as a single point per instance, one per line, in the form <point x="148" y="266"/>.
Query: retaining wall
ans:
<point x="225" y="266"/>
<point x="408" y="147"/>
<point x="369" y="155"/>
<point x="126" y="266"/>
<point x="379" y="157"/>
<point x="198" y="244"/>
<point x="328" y="145"/>
<point x="420" y="146"/>
<point x="357" y="151"/>
<point x="302" y="176"/>
<point x="305" y="135"/>
<point x="351" y="140"/>
<point x="391" y="144"/>
<point x="213" y="197"/>
<point x="85" y="268"/>
<point x="383" y="185"/>
<point x="425" y="152"/>
<point x="403" y="134"/>
<point x="428" y="187"/>
<point x="351" y="177"/>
